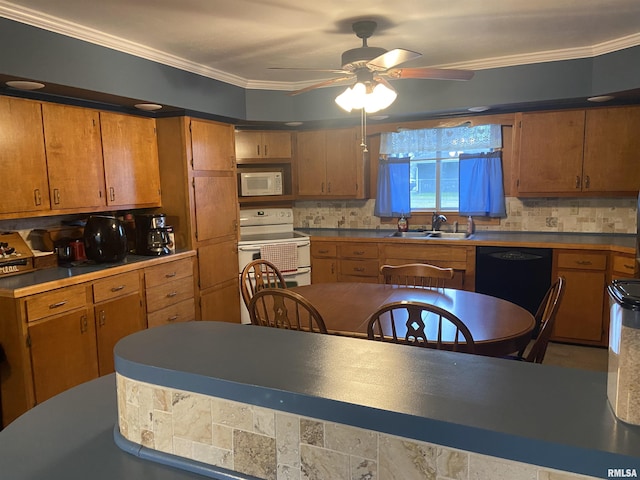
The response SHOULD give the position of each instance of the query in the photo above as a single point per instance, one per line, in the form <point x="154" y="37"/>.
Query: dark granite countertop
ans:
<point x="41" y="280"/>
<point x="544" y="415"/>
<point x="624" y="243"/>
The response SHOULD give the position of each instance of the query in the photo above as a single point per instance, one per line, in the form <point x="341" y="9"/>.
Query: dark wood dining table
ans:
<point x="498" y="326"/>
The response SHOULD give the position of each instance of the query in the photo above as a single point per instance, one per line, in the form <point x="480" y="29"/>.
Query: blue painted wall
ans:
<point x="37" y="54"/>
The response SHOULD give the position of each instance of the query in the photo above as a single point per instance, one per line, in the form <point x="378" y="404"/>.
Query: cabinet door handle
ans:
<point x="265" y="151"/>
<point x="173" y="318"/>
<point x="57" y="305"/>
<point x="358" y="269"/>
<point x="102" y="318"/>
<point x="358" y="252"/>
<point x="628" y="267"/>
<point x="83" y="324"/>
<point x="170" y="275"/>
<point x="118" y="288"/>
<point x="587" y="182"/>
<point x="172" y="294"/>
<point x="323" y="251"/>
<point x="577" y="181"/>
<point x="36" y="197"/>
<point x="56" y="196"/>
<point x="112" y="194"/>
<point x="583" y="262"/>
<point x="333" y="268"/>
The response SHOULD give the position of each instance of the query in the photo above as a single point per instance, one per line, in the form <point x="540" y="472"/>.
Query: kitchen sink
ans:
<point x="430" y="234"/>
<point x="409" y="234"/>
<point x="448" y="235"/>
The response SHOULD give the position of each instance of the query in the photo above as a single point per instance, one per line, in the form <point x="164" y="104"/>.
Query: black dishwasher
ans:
<point x="520" y="275"/>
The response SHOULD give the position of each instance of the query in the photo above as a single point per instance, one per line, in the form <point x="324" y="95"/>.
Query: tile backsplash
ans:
<point x="583" y="215"/>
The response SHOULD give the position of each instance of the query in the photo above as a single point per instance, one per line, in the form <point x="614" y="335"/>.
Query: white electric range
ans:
<point x="272" y="226"/>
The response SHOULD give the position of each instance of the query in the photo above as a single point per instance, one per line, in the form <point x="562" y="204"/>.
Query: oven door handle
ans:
<point x="299" y="271"/>
<point x="257" y="248"/>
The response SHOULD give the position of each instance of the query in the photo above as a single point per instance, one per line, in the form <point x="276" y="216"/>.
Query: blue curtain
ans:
<point x="393" y="198"/>
<point x="481" y="187"/>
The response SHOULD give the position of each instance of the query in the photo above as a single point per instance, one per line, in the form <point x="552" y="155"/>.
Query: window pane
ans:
<point x="423" y="184"/>
<point x="449" y="184"/>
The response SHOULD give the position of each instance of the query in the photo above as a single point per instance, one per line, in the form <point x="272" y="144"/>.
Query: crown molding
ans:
<point x="80" y="32"/>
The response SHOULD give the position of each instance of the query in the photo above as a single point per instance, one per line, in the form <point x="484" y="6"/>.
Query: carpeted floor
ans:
<point x="575" y="356"/>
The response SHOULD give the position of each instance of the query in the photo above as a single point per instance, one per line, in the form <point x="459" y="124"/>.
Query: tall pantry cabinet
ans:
<point x="200" y="199"/>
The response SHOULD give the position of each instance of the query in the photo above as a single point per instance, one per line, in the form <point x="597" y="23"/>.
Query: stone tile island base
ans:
<point x="257" y="442"/>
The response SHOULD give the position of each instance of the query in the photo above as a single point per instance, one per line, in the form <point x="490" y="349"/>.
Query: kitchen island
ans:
<point x="300" y="400"/>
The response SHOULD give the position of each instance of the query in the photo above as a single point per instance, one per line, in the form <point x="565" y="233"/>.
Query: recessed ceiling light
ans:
<point x="483" y="108"/>
<point x="24" y="85"/>
<point x="601" y="98"/>
<point x="148" y="107"/>
<point x="293" y="124"/>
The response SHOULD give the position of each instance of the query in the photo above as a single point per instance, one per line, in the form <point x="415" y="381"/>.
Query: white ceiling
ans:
<point x="238" y="40"/>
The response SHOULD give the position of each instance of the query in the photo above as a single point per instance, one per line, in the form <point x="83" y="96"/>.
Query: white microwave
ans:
<point x="260" y="183"/>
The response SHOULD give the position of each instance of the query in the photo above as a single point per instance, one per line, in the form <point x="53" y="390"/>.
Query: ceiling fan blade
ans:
<point x="382" y="80"/>
<point x="321" y="84"/>
<point x="433" y="73"/>
<point x="392" y="58"/>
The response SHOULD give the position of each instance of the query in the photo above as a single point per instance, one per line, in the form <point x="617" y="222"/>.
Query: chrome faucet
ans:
<point x="437" y="220"/>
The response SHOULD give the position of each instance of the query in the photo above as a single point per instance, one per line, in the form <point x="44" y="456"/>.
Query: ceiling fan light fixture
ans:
<point x="344" y="100"/>
<point x="371" y="98"/>
<point x="380" y="98"/>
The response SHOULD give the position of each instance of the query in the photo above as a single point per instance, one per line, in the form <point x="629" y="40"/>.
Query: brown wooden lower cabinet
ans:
<point x="63" y="352"/>
<point x="59" y="338"/>
<point x="580" y="316"/>
<point x="221" y="303"/>
<point x="460" y="258"/>
<point x="170" y="293"/>
<point x="115" y="320"/>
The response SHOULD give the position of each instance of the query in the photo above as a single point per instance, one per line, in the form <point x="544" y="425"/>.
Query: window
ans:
<point x="433" y="180"/>
<point x="432" y="157"/>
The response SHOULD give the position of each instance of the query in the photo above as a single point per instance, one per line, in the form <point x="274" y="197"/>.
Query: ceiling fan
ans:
<point x="373" y="65"/>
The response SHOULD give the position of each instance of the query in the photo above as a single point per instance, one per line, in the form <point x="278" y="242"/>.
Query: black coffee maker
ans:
<point x="152" y="234"/>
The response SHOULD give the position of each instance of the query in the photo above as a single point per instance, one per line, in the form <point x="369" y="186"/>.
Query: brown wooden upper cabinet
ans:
<point x="22" y="157"/>
<point x="579" y="152"/>
<point x="73" y="145"/>
<point x="212" y="146"/>
<point x="263" y="144"/>
<point x="131" y="166"/>
<point x="329" y="163"/>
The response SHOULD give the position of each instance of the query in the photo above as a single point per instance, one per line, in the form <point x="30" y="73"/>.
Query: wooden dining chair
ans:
<point x="545" y="319"/>
<point x="257" y="275"/>
<point x="420" y="324"/>
<point x="416" y="275"/>
<point x="283" y="308"/>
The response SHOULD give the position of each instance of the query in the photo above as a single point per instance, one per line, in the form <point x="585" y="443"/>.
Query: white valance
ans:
<point x="441" y="139"/>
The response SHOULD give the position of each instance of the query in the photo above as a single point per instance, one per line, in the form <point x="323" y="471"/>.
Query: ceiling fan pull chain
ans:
<point x="363" y="130"/>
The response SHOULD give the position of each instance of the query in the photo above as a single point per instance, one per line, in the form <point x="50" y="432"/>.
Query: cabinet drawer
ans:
<point x="184" y="311"/>
<point x="582" y="261"/>
<point x="171" y="292"/>
<point x="116" y="286"/>
<point x="367" y="268"/>
<point x="426" y="253"/>
<point x="623" y="264"/>
<point x="160" y="274"/>
<point x="323" y="250"/>
<point x="358" y="250"/>
<point x="55" y="302"/>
